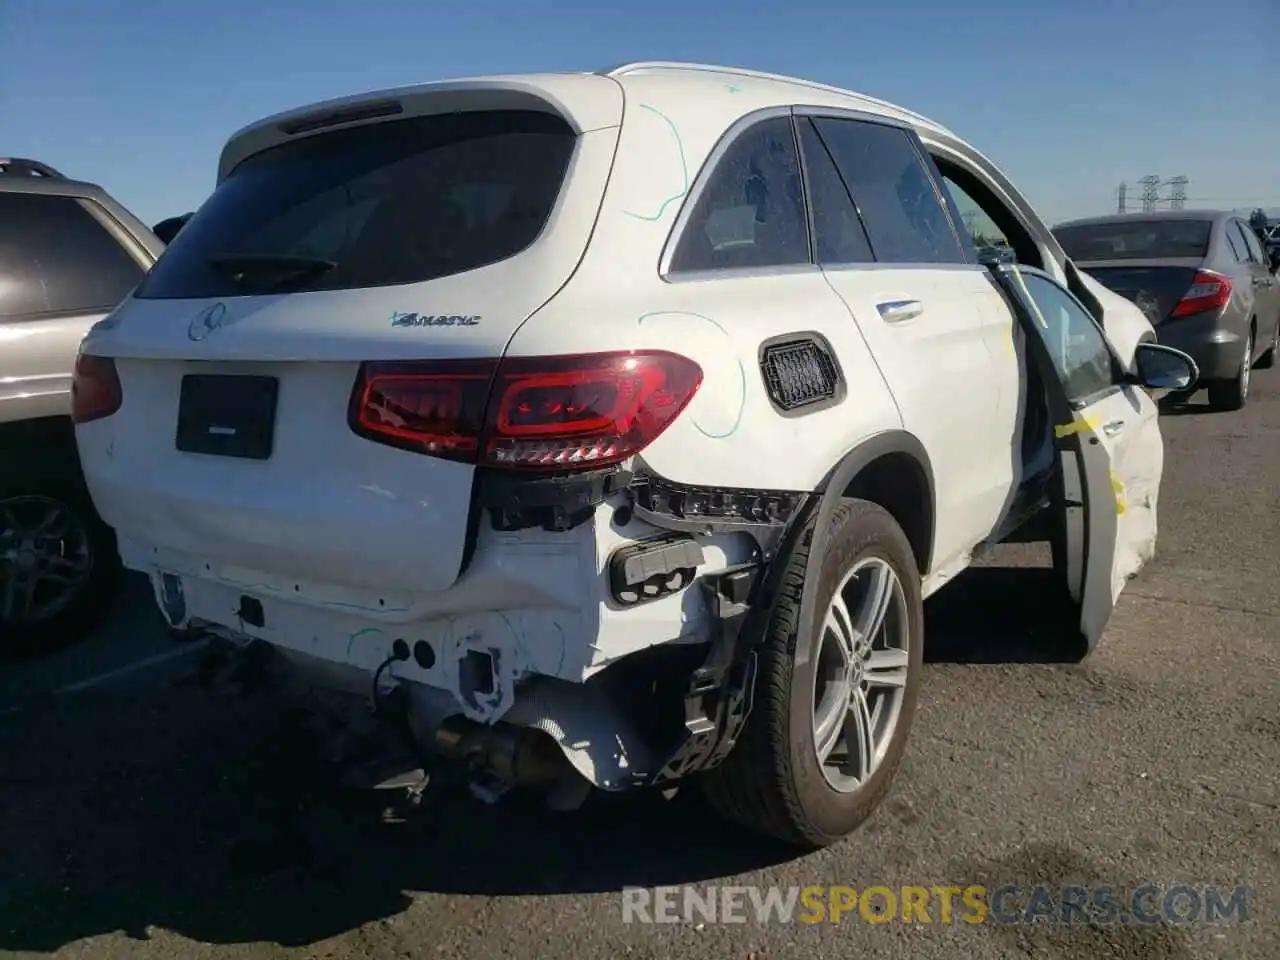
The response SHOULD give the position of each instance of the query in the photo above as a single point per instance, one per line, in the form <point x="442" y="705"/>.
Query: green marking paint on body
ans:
<point x="742" y="374"/>
<point x="357" y="635"/>
<point x="684" y="170"/>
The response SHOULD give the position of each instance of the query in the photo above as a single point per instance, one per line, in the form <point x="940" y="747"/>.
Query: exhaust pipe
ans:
<point x="518" y="756"/>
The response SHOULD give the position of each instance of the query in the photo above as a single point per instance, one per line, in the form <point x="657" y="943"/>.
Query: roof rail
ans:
<point x="626" y="68"/>
<point x="22" y="167"/>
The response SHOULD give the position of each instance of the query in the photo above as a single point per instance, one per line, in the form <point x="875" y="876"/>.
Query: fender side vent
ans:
<point x="800" y="373"/>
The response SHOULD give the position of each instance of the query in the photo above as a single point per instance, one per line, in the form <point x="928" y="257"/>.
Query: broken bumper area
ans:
<point x="648" y="720"/>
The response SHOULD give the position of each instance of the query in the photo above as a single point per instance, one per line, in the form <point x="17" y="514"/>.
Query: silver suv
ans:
<point x="68" y="254"/>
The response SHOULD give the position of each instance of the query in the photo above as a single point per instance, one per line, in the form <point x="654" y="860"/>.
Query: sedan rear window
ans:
<point x="394" y="202"/>
<point x="1135" y="239"/>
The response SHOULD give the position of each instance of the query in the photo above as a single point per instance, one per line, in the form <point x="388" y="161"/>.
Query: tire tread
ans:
<point x="754" y="786"/>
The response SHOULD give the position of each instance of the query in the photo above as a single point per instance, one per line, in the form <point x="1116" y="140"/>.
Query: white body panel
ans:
<point x="1123" y="323"/>
<point x="1123" y="458"/>
<point x="965" y="410"/>
<point x="328" y="507"/>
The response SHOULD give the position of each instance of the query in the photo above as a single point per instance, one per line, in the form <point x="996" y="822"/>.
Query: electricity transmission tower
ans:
<point x="1177" y="192"/>
<point x="1121" y="194"/>
<point x="1150" y="193"/>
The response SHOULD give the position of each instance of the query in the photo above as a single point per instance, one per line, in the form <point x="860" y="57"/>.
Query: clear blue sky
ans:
<point x="1069" y="97"/>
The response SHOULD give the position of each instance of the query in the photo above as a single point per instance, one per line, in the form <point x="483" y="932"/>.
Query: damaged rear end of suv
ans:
<point x="333" y="419"/>
<point x="587" y="426"/>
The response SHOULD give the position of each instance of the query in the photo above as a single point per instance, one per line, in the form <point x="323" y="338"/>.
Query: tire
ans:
<point x="1233" y="394"/>
<point x="1268" y="359"/>
<point x="772" y="781"/>
<point x="83" y="540"/>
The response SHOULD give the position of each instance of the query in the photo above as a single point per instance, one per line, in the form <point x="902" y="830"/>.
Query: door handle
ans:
<point x="1112" y="427"/>
<point x="895" y="311"/>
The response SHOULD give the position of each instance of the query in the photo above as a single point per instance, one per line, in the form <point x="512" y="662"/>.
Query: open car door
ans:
<point x="1107" y="441"/>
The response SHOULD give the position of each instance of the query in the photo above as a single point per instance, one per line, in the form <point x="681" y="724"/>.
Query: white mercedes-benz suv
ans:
<point x="612" y="427"/>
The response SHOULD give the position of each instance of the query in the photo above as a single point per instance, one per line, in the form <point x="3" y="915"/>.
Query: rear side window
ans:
<point x="838" y="236"/>
<point x="895" y="193"/>
<point x="387" y="203"/>
<point x="1251" y="243"/>
<point x="751" y="213"/>
<point x="1238" y="249"/>
<point x="1135" y="239"/>
<point x="57" y="258"/>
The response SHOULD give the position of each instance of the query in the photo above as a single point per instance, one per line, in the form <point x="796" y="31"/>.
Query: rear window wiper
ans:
<point x="267" y="271"/>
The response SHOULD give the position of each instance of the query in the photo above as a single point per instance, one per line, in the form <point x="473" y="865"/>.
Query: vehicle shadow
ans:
<point x="1185" y="406"/>
<point x="219" y="819"/>
<point x="1002" y="614"/>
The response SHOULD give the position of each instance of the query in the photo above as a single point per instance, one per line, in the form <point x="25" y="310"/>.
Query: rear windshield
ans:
<point x="393" y="202"/>
<point x="1136" y="239"/>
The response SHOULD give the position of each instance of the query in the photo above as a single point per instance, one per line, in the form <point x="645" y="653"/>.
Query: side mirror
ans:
<point x="166" y="230"/>
<point x="1164" y="368"/>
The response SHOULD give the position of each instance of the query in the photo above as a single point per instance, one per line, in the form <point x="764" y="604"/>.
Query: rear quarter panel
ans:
<point x="730" y="434"/>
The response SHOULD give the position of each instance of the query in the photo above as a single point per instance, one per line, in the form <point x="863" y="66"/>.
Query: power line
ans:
<point x="1177" y="192"/>
<point x="1150" y="192"/>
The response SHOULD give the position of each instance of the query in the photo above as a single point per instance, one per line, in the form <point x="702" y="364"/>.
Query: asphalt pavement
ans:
<point x="152" y="817"/>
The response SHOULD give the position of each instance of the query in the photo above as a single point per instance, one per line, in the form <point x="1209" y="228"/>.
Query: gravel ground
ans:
<point x="162" y="820"/>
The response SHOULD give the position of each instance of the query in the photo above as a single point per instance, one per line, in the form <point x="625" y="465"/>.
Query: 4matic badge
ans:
<point x="206" y="321"/>
<point x="431" y="320"/>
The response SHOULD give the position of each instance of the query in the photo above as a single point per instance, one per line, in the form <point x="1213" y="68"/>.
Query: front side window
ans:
<point x="896" y="195"/>
<point x="400" y="201"/>
<point x="1076" y="346"/>
<point x="750" y="215"/>
<point x="57" y="258"/>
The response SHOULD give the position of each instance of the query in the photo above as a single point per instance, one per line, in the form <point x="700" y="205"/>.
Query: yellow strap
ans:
<point x="1076" y="426"/>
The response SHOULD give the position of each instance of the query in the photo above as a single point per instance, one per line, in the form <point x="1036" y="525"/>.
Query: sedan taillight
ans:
<point x="1209" y="291"/>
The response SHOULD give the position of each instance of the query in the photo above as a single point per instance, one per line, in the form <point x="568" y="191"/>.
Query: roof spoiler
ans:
<point x="167" y="229"/>
<point x="23" y="167"/>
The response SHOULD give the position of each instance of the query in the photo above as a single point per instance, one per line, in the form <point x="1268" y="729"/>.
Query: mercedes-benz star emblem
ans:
<point x="206" y="321"/>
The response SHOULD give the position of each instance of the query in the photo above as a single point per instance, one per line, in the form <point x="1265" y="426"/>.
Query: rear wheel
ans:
<point x="58" y="561"/>
<point x="832" y="709"/>
<point x="1233" y="394"/>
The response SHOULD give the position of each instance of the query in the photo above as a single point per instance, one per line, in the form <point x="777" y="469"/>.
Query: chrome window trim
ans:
<point x="730" y="136"/>
<point x="840" y="113"/>
<point x="708" y="169"/>
<point x="962" y="155"/>
<point x="1118" y="377"/>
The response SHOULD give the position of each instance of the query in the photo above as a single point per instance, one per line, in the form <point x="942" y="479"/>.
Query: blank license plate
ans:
<point x="225" y="415"/>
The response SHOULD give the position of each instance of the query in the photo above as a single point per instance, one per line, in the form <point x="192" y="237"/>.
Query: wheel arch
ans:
<point x="891" y="469"/>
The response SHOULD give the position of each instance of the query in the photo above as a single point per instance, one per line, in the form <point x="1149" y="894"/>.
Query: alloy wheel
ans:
<point x="861" y="674"/>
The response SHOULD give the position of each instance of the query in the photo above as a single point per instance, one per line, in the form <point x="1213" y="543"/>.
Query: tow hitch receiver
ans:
<point x="718" y="698"/>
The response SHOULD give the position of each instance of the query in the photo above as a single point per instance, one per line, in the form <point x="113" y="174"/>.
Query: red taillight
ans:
<point x="525" y="413"/>
<point x="1209" y="291"/>
<point x="95" y="389"/>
